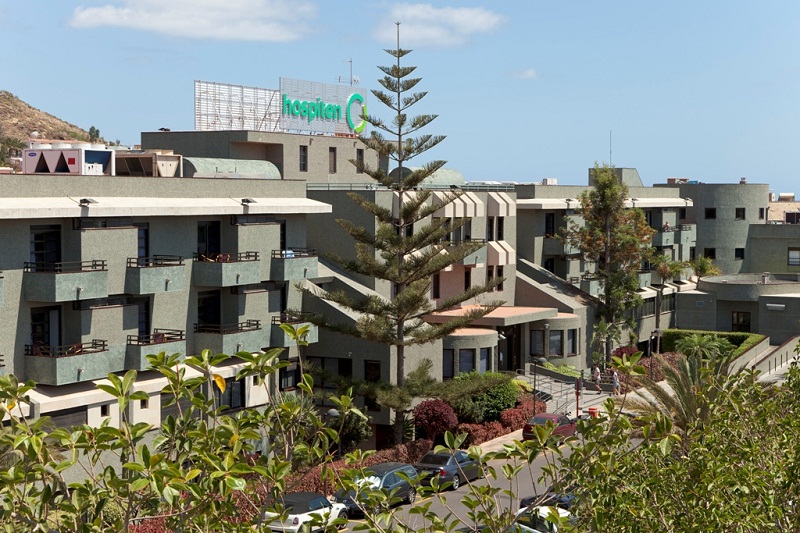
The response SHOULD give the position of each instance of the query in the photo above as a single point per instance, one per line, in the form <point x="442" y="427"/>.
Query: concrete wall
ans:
<point x="768" y="248"/>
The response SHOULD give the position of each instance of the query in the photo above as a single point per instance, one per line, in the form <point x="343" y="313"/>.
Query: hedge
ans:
<point x="742" y="340"/>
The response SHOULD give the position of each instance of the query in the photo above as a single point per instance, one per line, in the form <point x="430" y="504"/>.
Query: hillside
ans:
<point x="18" y="120"/>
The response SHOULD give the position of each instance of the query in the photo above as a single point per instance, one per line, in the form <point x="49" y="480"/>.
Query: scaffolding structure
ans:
<point x="221" y="106"/>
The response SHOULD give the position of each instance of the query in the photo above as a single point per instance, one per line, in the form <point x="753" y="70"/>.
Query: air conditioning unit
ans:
<point x="549" y="181"/>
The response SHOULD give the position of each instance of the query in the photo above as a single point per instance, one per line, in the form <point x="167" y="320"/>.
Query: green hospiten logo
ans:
<point x="320" y="109"/>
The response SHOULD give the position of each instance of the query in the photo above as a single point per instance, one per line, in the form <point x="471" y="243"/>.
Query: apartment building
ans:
<point x="99" y="271"/>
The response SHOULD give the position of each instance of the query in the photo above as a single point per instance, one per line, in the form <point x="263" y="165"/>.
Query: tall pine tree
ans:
<point x="393" y="252"/>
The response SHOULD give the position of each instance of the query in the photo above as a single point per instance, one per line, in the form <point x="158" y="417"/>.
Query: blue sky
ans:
<point x="524" y="89"/>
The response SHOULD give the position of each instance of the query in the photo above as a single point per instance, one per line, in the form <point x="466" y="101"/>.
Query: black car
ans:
<point x="448" y="468"/>
<point x="383" y="476"/>
<point x="552" y="498"/>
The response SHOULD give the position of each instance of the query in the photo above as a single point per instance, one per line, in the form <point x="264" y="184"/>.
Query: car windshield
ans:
<point x="541" y="420"/>
<point x="372" y="482"/>
<point x="434" y="459"/>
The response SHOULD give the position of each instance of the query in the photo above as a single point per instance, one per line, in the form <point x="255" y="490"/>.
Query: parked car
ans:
<point x="448" y="468"/>
<point x="304" y="508"/>
<point x="553" y="498"/>
<point x="383" y="476"/>
<point x="528" y="521"/>
<point x="565" y="427"/>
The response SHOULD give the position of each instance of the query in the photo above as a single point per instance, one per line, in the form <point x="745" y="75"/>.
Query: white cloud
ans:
<point x="426" y="25"/>
<point x="526" y="74"/>
<point x="239" y="20"/>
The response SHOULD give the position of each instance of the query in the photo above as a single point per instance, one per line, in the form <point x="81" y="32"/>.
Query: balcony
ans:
<point x="65" y="281"/>
<point x="161" y="340"/>
<point x="279" y="338"/>
<point x="230" y="338"/>
<point x="226" y="269"/>
<point x="72" y="363"/>
<point x="477" y="257"/>
<point x="554" y="246"/>
<point x="591" y="284"/>
<point x="645" y="278"/>
<point x="294" y="263"/>
<point x="664" y="238"/>
<point x="156" y="274"/>
<point x="686" y="234"/>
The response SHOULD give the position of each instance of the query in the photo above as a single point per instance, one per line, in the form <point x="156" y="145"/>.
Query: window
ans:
<point x="793" y="218"/>
<point x="739" y="213"/>
<point x="466" y="229"/>
<point x="332" y="160"/>
<point x="710" y="253"/>
<point x="500" y="228"/>
<point x="794" y="256"/>
<point x="572" y="342"/>
<point x="668" y="303"/>
<point x="549" y="225"/>
<point x="288" y="378"/>
<point x="692" y="253"/>
<point x="100" y="223"/>
<point x="537" y="342"/>
<point x="144" y="404"/>
<point x="233" y="396"/>
<point x="345" y="368"/>
<point x="486" y="353"/>
<point x="738" y="253"/>
<point x="359" y="160"/>
<point x="436" y="286"/>
<point x="303" y="158"/>
<point x="556" y="342"/>
<point x="761" y="213"/>
<point x="448" y="363"/>
<point x="549" y="264"/>
<point x="649" y="307"/>
<point x="208" y="237"/>
<point x="209" y="308"/>
<point x="489" y="228"/>
<point x="711" y="213"/>
<point x="467" y="278"/>
<point x="682" y="213"/>
<point x="741" y="321"/>
<point x="104" y="410"/>
<point x="466" y="360"/>
<point x="46" y="244"/>
<point x="372" y="371"/>
<point x="490" y="276"/>
<point x="500" y="275"/>
<point x="142" y="239"/>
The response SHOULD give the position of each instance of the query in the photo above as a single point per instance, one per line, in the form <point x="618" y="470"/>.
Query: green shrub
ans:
<point x="498" y="399"/>
<point x="743" y="341"/>
<point x="479" y="397"/>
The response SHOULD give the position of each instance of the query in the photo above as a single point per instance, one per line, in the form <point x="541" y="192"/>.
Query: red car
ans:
<point x="565" y="427"/>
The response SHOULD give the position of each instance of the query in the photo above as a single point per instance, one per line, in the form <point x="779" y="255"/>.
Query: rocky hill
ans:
<point x="18" y="120"/>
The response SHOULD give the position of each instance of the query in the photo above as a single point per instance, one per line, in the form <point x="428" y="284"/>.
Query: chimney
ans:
<point x="765" y="278"/>
<point x="743" y="181"/>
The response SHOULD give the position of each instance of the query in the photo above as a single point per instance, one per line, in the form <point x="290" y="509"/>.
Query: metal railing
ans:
<point x="223" y="329"/>
<point x="225" y="257"/>
<point x="159" y="336"/>
<point x="67" y="350"/>
<point x="62" y="267"/>
<point x="155" y="261"/>
<point x="294" y="252"/>
<point x="285" y="318"/>
<point x="504" y="187"/>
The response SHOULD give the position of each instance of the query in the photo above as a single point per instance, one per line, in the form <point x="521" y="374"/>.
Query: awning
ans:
<point x="505" y="315"/>
<point x="467" y="204"/>
<point x="500" y="253"/>
<point x="66" y="207"/>
<point x="499" y="204"/>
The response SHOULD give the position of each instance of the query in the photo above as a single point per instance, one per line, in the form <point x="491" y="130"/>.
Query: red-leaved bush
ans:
<point x="526" y="403"/>
<point x="514" y="419"/>
<point x="480" y="433"/>
<point x="434" y="417"/>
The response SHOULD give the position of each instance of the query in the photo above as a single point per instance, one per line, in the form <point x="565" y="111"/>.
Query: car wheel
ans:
<point x="343" y="515"/>
<point x="456" y="482"/>
<point x="412" y="496"/>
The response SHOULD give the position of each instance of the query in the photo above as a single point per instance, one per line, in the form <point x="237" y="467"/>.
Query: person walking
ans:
<point x="615" y="382"/>
<point x="596" y="378"/>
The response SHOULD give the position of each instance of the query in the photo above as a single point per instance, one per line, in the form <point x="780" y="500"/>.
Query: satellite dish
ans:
<point x="356" y="80"/>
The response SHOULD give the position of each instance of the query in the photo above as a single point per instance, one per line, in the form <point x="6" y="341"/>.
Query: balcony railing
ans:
<point x="155" y="261"/>
<point x="42" y="350"/>
<point x="467" y="240"/>
<point x="223" y="329"/>
<point x="285" y="318"/>
<point x="224" y="257"/>
<point x="294" y="252"/>
<point x="95" y="265"/>
<point x="159" y="336"/>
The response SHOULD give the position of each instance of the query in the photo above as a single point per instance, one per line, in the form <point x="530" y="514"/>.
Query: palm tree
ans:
<point x="704" y="347"/>
<point x="604" y="336"/>
<point x="692" y="386"/>
<point x="704" y="266"/>
<point x="667" y="270"/>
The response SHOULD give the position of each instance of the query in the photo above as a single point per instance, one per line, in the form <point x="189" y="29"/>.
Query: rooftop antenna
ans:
<point x="354" y="80"/>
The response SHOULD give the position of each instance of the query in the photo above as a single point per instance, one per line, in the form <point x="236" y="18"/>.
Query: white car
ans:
<point x="305" y="507"/>
<point x="535" y="519"/>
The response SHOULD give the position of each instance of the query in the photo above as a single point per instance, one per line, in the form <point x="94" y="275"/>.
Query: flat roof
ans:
<point x="506" y="315"/>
